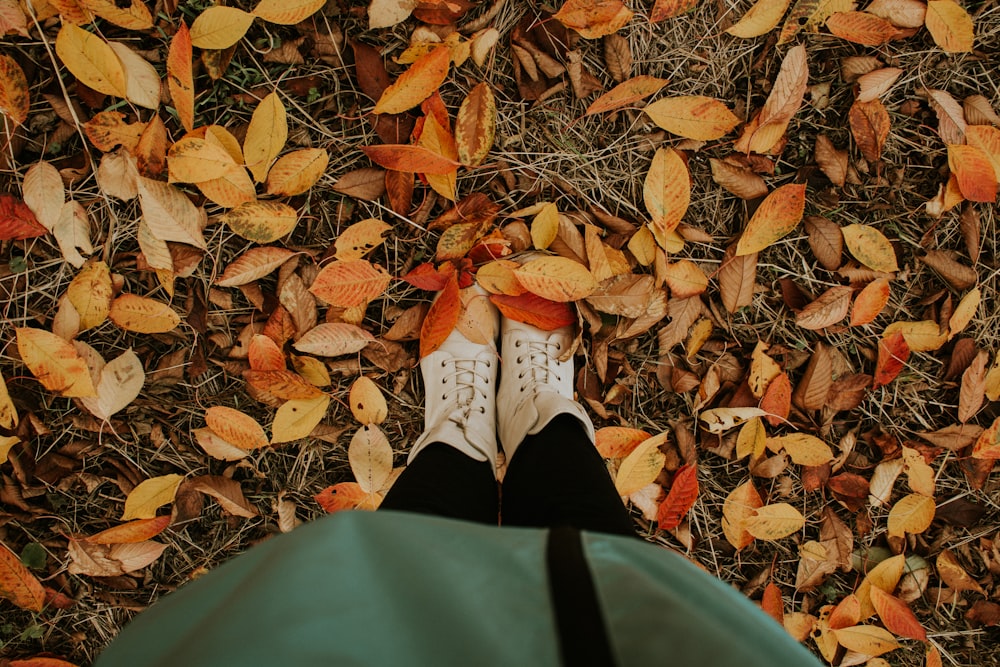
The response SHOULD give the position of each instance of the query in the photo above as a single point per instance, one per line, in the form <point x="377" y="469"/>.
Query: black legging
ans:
<point x="555" y="478"/>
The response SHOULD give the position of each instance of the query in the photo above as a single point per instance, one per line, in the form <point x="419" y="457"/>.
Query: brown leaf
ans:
<point x="742" y="182"/>
<point x="17" y="584"/>
<point x="14" y="98"/>
<point x="973" y="391"/>
<point x="954" y="575"/>
<point x="475" y="125"/>
<point x="831" y="160"/>
<point x="956" y="274"/>
<point x="766" y="130"/>
<point x="227" y="492"/>
<point x="955" y="437"/>
<point x="825" y="240"/>
<point x="951" y="118"/>
<point x="633" y="90"/>
<point x="870" y="124"/>
<point x="618" y="57"/>
<point x="367" y="183"/>
<point x="813" y="388"/>
<point x="665" y="9"/>
<point x="861" y="28"/>
<point x="978" y="111"/>
<point x="878" y="82"/>
<point x="829" y="308"/>
<point x="737" y="276"/>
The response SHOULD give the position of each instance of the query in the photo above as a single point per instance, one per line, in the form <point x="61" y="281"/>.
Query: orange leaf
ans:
<point x="475" y="125"/>
<point x="142" y="315"/>
<point x="896" y="616"/>
<point x="17" y="221"/>
<point x="426" y="277"/>
<point x="441" y="318"/>
<point x="846" y="613"/>
<point x="665" y="9"/>
<point x="593" y="18"/>
<point x="402" y="157"/>
<point x="683" y="492"/>
<point x="870" y="302"/>
<point x="55" y="362"/>
<point x="535" y="310"/>
<point x="333" y="340"/>
<point x="265" y="355"/>
<point x="740" y="504"/>
<point x="416" y="84"/>
<point x="343" y="496"/>
<point x="14" y="99"/>
<point x="635" y="89"/>
<point x="615" y="442"/>
<point x="132" y="532"/>
<point x="892" y="355"/>
<point x="974" y="172"/>
<point x="235" y="427"/>
<point x="349" y="283"/>
<point x="108" y="129"/>
<point x="777" y="215"/>
<point x="180" y="79"/>
<point x="911" y="514"/>
<point x="17" y="584"/>
<point x="685" y="279"/>
<point x="296" y="172"/>
<point x="772" y="604"/>
<point x="282" y="383"/>
<point x="667" y="191"/>
<point x="861" y="28"/>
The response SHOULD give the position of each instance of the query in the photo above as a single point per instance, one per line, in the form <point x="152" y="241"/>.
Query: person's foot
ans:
<point x="536" y="382"/>
<point x="460" y="392"/>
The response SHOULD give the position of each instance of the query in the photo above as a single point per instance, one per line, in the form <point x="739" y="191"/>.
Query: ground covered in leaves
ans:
<point x="778" y="234"/>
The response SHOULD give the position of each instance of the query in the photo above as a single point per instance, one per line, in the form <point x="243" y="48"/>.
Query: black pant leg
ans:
<point x="557" y="478"/>
<point x="445" y="482"/>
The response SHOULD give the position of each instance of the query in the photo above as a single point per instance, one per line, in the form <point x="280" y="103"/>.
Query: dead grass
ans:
<point x="548" y="147"/>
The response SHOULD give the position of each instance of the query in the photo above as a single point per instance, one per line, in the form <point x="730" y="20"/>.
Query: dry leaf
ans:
<point x="142" y="315"/>
<point x="475" y="125"/>
<point x="949" y="25"/>
<point x="594" y="18"/>
<point x="666" y="191"/>
<point x="870" y="247"/>
<point x="143" y="501"/>
<point x="296" y="418"/>
<point x="870" y="124"/>
<point x="91" y="60"/>
<point x="266" y="134"/>
<point x="370" y="456"/>
<point x="777" y="216"/>
<point x="297" y="171"/>
<point x="737" y="276"/>
<point x="261" y="221"/>
<point x="641" y="466"/>
<point x="828" y="309"/>
<point x="911" y="514"/>
<point x="625" y="93"/>
<point x="417" y="83"/>
<point x="861" y="28"/>
<point x="556" y="279"/>
<point x="220" y="27"/>
<point x="773" y="522"/>
<point x="759" y="19"/>
<point x="55" y="362"/>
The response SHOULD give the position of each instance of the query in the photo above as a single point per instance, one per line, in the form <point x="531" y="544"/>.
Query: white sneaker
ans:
<point x="460" y="395"/>
<point x="535" y="386"/>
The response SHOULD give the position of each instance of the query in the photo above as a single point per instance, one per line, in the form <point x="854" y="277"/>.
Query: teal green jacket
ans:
<point x="390" y="588"/>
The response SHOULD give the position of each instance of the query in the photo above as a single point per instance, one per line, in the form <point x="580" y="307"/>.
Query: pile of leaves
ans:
<point x="228" y="241"/>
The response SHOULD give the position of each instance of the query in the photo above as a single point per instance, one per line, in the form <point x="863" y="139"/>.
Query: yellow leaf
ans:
<point x="8" y="413"/>
<point x="367" y="402"/>
<point x="759" y="19"/>
<point x="720" y="420"/>
<point x="685" y="279"/>
<point x="137" y="313"/>
<point x="437" y="139"/>
<point x="627" y="92"/>
<point x="911" y="514"/>
<point x="296" y="172"/>
<point x="142" y="83"/>
<point x="773" y="522"/>
<point x="91" y="60"/>
<point x="231" y="189"/>
<point x="90" y="294"/>
<point x="169" y="214"/>
<point x="370" y="456"/>
<point x="287" y="12"/>
<point x="194" y="160"/>
<point x="693" y="117"/>
<point x="594" y="18"/>
<point x="667" y="190"/>
<point x="56" y="363"/>
<point x="751" y="439"/>
<point x="642" y="466"/>
<point x="261" y="221"/>
<point x="266" y="136"/>
<point x="866" y="639"/>
<point x="220" y="27"/>
<point x="150" y="495"/>
<point x="297" y="418"/>
<point x="361" y="238"/>
<point x="235" y="427"/>
<point x="802" y="448"/>
<point x="545" y="226"/>
<point x="923" y="336"/>
<point x="7" y="443"/>
<point x="15" y="100"/>
<point x="475" y="125"/>
<point x="556" y="279"/>
<point x="417" y="83"/>
<point x="950" y="26"/>
<point x="777" y="215"/>
<point x="134" y="16"/>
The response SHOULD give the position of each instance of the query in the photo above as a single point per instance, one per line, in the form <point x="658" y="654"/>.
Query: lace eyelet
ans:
<point x="517" y="343"/>
<point x="482" y="410"/>
<point x="519" y="360"/>
<point x="442" y="363"/>
<point x="444" y="397"/>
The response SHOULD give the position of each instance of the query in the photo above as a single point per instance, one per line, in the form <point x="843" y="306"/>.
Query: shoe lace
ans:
<point x="470" y="377"/>
<point x="540" y="355"/>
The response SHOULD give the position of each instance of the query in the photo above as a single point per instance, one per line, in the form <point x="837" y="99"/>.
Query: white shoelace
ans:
<point x="469" y="382"/>
<point x="540" y="354"/>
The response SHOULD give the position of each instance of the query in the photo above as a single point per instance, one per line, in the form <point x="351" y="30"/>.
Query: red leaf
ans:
<point x="683" y="493"/>
<point x="771" y="603"/>
<point x="897" y="617"/>
<point x="892" y="355"/>
<point x="17" y="222"/>
<point x="535" y="310"/>
<point x="402" y="157"/>
<point x="427" y="277"/>
<point x="441" y="318"/>
<point x="777" y="400"/>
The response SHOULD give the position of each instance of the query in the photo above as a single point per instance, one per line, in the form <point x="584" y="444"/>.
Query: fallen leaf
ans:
<point x="227" y="492"/>
<point x="893" y="353"/>
<point x="773" y="522"/>
<point x="261" y="221"/>
<point x="367" y="402"/>
<point x="400" y="157"/>
<point x="296" y="418"/>
<point x="255" y="263"/>
<point x="897" y="617"/>
<point x="870" y="302"/>
<point x="91" y="60"/>
<point x="17" y="584"/>
<point x="235" y="427"/>
<point x="666" y="191"/>
<point x="142" y="315"/>
<point x="777" y="216"/>
<point x="974" y="171"/>
<point x="535" y="310"/>
<point x="594" y="18"/>
<point x="55" y="362"/>
<point x="180" y="77"/>
<point x="296" y="172"/>
<point x="475" y="125"/>
<point x="692" y="117"/>
<point x="641" y="466"/>
<point x="870" y="247"/>
<point x="681" y="497"/>
<point x="266" y="134"/>
<point x="866" y="639"/>
<point x="349" y="283"/>
<point x="220" y="27"/>
<point x="333" y="340"/>
<point x="828" y="309"/>
<point x="556" y="279"/>
<point x="949" y="25"/>
<point x="287" y="12"/>
<point x="132" y="532"/>
<point x="417" y="83"/>
<point x="861" y="28"/>
<point x="870" y="125"/>
<point x="149" y="495"/>
<point x="741" y="503"/>
<point x="370" y="456"/>
<point x="911" y="514"/>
